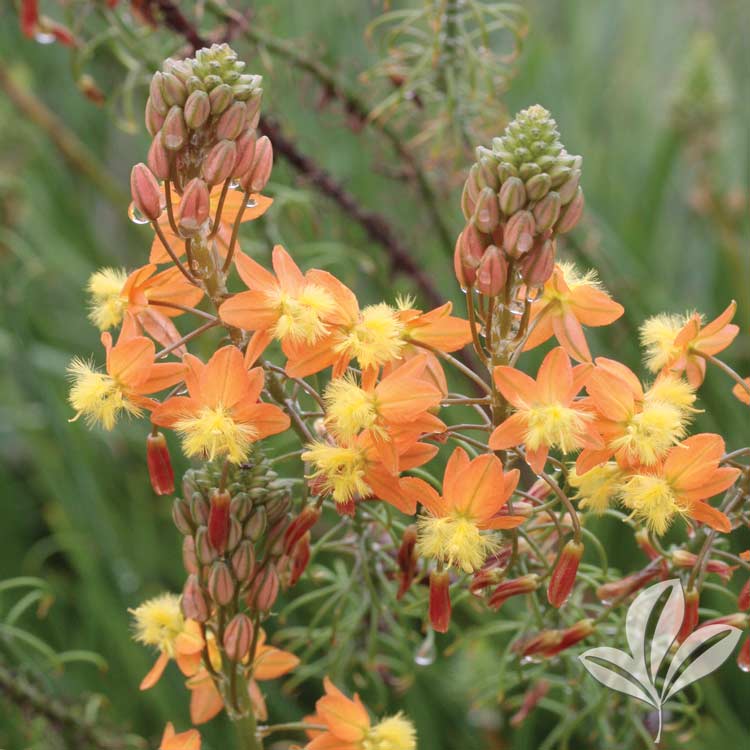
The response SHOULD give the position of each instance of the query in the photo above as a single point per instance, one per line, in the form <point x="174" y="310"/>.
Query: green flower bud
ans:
<point x="512" y="196"/>
<point x="197" y="109"/>
<point x="537" y="187"/>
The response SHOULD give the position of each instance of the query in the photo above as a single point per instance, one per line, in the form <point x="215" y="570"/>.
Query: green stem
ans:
<point x="247" y="733"/>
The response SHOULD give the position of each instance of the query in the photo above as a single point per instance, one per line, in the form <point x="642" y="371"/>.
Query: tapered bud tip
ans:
<point x="300" y="558"/>
<point x="194" y="206"/>
<point x="564" y="575"/>
<point x="492" y="272"/>
<point x="145" y="192"/>
<point x="221" y="583"/>
<point x="300" y="526"/>
<point x="743" y="600"/>
<point x="690" y="618"/>
<point x="257" y="176"/>
<point x="159" y="464"/>
<point x="174" y="130"/>
<point x="513" y="587"/>
<point x="194" y="605"/>
<point x="238" y="637"/>
<point x="220" y="162"/>
<point x="743" y="657"/>
<point x="219" y="520"/>
<point x="440" y="601"/>
<point x="197" y="109"/>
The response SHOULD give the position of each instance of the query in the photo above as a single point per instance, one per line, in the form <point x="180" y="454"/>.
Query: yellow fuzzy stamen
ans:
<point x="658" y="336"/>
<point x="341" y="470"/>
<point x="349" y="408"/>
<point x="96" y="396"/>
<point x="301" y="317"/>
<point x="107" y="305"/>
<point x="158" y="622"/>
<point x="376" y="339"/>
<point x="393" y="733"/>
<point x="556" y="426"/>
<point x="652" y="500"/>
<point x="672" y="390"/>
<point x="597" y="487"/>
<point x="213" y="433"/>
<point x="453" y="540"/>
<point x="652" y="432"/>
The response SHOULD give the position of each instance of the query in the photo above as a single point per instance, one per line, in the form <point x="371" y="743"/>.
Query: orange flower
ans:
<point x="221" y="416"/>
<point x="546" y="414"/>
<point x="569" y="302"/>
<point x="232" y="204"/>
<point x="190" y="740"/>
<point x="677" y="343"/>
<point x="159" y="622"/>
<point x="638" y="427"/>
<point x="270" y="663"/>
<point x="741" y="392"/>
<point x="401" y="398"/>
<point x="355" y="470"/>
<point x="437" y="328"/>
<point x="131" y="374"/>
<point x="689" y="475"/>
<point x="348" y="725"/>
<point x="290" y="306"/>
<point x="474" y="494"/>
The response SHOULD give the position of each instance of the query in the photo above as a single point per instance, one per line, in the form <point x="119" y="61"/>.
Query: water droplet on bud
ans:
<point x="425" y="654"/>
<point x="251" y="203"/>
<point x="136" y="216"/>
<point x="44" y="38"/>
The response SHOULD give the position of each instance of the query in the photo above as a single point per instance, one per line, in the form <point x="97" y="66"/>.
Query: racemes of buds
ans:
<point x="564" y="574"/>
<point x="238" y="637"/>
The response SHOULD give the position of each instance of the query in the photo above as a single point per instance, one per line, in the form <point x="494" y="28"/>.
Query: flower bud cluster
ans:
<point x="233" y="530"/>
<point x="519" y="196"/>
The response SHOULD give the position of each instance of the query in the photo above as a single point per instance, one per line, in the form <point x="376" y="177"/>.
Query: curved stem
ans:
<point x="172" y="254"/>
<point x="726" y="369"/>
<point x="458" y="365"/>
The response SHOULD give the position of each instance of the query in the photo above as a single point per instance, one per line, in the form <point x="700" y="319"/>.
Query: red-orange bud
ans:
<point x="534" y="694"/>
<point x="469" y="250"/>
<point x="145" y="191"/>
<point x="743" y="657"/>
<point x="238" y="637"/>
<point x="300" y="558"/>
<point x="513" y="587"/>
<point x="690" y="618"/>
<point x="194" y="206"/>
<point x="218" y="520"/>
<point x="159" y="464"/>
<point x="492" y="272"/>
<point x="737" y="620"/>
<point x="608" y="592"/>
<point x="564" y="575"/>
<point x="683" y="559"/>
<point x="743" y="600"/>
<point x="307" y="518"/>
<point x="407" y="560"/>
<point x="440" y="601"/>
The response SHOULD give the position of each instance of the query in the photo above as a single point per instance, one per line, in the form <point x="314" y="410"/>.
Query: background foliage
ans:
<point x="654" y="95"/>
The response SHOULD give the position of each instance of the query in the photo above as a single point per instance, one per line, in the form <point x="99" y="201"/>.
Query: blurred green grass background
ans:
<point x="76" y="508"/>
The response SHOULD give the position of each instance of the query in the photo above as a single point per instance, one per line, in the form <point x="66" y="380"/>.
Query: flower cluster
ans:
<point x="364" y="391"/>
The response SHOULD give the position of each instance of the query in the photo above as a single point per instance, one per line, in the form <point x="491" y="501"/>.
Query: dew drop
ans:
<point x="136" y="216"/>
<point x="44" y="38"/>
<point x="251" y="203"/>
<point x="234" y="185"/>
<point x="425" y="654"/>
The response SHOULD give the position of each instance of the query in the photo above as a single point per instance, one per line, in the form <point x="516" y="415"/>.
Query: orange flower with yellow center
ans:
<point x="221" y="417"/>
<point x="348" y="726"/>
<point x="546" y="413"/>
<point x="474" y="495"/>
<point x="570" y="301"/>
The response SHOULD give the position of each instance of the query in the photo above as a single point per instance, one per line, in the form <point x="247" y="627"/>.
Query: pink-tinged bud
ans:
<point x="256" y="525"/>
<point x="159" y="159"/>
<point x="538" y="265"/>
<point x="571" y="214"/>
<point x="153" y="119"/>
<point x="232" y="122"/>
<point x="737" y="620"/>
<point x="194" y="605"/>
<point x="173" y="90"/>
<point x="220" y="98"/>
<point x="493" y="570"/>
<point x="569" y="188"/>
<point x="440" y="601"/>
<point x="264" y="590"/>
<point x="243" y="560"/>
<point x="743" y="599"/>
<point x="218" y="520"/>
<point x="547" y="211"/>
<point x="513" y="587"/>
<point x="492" y="272"/>
<point x="197" y="109"/>
<point x="487" y="213"/>
<point x="683" y="559"/>
<point x="181" y="516"/>
<point x="155" y="96"/>
<point x="221" y="583"/>
<point x="512" y="196"/>
<point x="189" y="558"/>
<point x="469" y="251"/>
<point x="538" y="186"/>
<point x="174" y="130"/>
<point x="549" y="643"/>
<point x="743" y="657"/>
<point x="564" y="575"/>
<point x="199" y="509"/>
<point x="219" y="163"/>
<point x="145" y="191"/>
<point x="407" y="560"/>
<point x="257" y="176"/>
<point x="300" y="558"/>
<point x="576" y="633"/>
<point x="300" y="526"/>
<point x="238" y="637"/>
<point x="194" y="207"/>
<point x="625" y="586"/>
<point x="252" y="118"/>
<point x="245" y="152"/>
<point x="240" y="507"/>
<point x="519" y="234"/>
<point x="530" y="701"/>
<point x="159" y="464"/>
<point x="204" y="550"/>
<point x="235" y="533"/>
<point x="690" y="618"/>
<point x="468" y="201"/>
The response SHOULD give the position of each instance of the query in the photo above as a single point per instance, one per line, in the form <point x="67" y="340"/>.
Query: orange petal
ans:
<point x="174" y="409"/>
<point x="256" y="346"/>
<point x="155" y="673"/>
<point x="611" y="396"/>
<point x="425" y="494"/>
<point x="348" y="719"/>
<point x="536" y="459"/>
<point x="569" y="333"/>
<point x="287" y="271"/>
<point x="272" y="663"/>
<point x="131" y="361"/>
<point x="266" y="419"/>
<point x="189" y="740"/>
<point x="511" y="433"/>
<point x="555" y="377"/>
<point x="478" y="487"/>
<point x="252" y="311"/>
<point x="161" y="376"/>
<point x="457" y="463"/>
<point x="205" y="702"/>
<point x="543" y="330"/>
<point x="711" y="516"/>
<point x="515" y="385"/>
<point x="254" y="275"/>
<point x="224" y="382"/>
<point x="594" y="307"/>
<point x="690" y="463"/>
